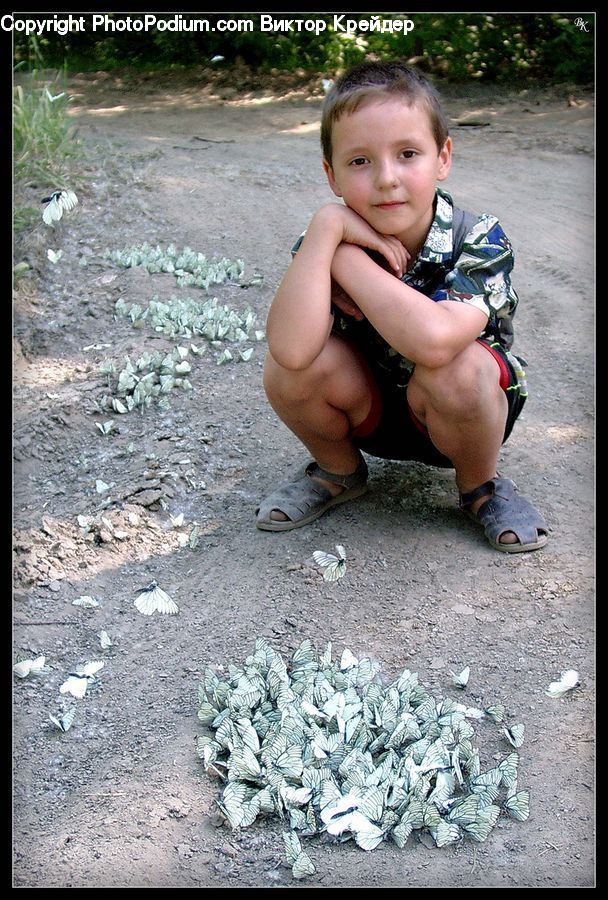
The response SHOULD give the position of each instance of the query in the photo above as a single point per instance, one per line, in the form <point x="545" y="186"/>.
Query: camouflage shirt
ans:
<point x="480" y="275"/>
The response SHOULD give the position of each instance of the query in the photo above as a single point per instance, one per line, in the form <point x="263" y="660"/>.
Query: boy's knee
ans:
<point x="466" y="381"/>
<point x="288" y="384"/>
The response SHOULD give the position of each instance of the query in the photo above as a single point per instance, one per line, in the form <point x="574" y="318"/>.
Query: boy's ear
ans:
<point x="330" y="178"/>
<point x="445" y="160"/>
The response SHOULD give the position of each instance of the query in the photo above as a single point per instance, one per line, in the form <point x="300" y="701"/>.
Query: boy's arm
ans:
<point x="299" y="320"/>
<point x="424" y="331"/>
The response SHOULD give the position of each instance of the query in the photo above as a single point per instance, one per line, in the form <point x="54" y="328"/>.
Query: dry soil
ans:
<point x="233" y="170"/>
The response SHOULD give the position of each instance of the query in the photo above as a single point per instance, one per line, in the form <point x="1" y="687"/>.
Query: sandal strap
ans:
<point x="505" y="510"/>
<point x="504" y="487"/>
<point x="304" y="499"/>
<point x="346" y="481"/>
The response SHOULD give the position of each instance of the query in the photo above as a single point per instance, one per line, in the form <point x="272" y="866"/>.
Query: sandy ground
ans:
<point x="121" y="799"/>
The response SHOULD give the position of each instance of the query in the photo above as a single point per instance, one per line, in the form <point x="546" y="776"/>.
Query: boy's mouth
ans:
<point x="394" y="204"/>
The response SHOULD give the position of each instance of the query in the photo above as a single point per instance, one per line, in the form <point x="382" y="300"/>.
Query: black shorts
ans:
<point x="392" y="431"/>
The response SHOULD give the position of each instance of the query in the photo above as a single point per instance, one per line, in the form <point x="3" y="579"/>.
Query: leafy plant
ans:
<point x="45" y="148"/>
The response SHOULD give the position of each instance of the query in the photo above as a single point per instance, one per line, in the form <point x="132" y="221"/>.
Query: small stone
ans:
<point x="463" y="609"/>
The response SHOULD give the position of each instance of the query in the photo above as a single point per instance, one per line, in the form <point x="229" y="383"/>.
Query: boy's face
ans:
<point x="386" y="165"/>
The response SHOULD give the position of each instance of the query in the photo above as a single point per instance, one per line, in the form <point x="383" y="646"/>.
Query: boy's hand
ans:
<point x="352" y="229"/>
<point x="346" y="304"/>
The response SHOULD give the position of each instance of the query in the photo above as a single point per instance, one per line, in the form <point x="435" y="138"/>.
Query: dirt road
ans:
<point x="121" y="799"/>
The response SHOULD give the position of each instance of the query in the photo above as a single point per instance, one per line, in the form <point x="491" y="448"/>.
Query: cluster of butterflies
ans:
<point x="323" y="744"/>
<point x="186" y="317"/>
<point x="189" y="267"/>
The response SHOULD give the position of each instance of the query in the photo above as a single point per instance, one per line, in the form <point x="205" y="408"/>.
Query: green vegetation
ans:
<point x="501" y="47"/>
<point x="46" y="154"/>
<point x="44" y="147"/>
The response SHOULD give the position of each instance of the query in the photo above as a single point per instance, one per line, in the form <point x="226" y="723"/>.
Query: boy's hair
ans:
<point x="370" y="80"/>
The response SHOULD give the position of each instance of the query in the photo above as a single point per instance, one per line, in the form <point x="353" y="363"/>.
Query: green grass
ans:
<point x="46" y="153"/>
<point x="25" y="218"/>
<point x="45" y="149"/>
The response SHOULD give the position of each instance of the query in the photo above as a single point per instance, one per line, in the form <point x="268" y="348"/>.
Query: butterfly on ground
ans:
<point x="496" y="712"/>
<point x="566" y="683"/>
<point x="518" y="805"/>
<point x="348" y="660"/>
<point x="26" y="667"/>
<point x="54" y="255"/>
<point x="302" y="865"/>
<point x="333" y="566"/>
<point x="153" y="599"/>
<point x="78" y="681"/>
<point x="344" y="814"/>
<point x="105" y="641"/>
<point x="461" y="679"/>
<point x="514" y="734"/>
<point x="58" y="203"/>
<point x="86" y="601"/>
<point x="64" y="721"/>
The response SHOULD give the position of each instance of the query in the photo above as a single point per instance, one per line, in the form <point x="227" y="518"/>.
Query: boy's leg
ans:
<point x="462" y="405"/>
<point x="465" y="410"/>
<point x="321" y="405"/>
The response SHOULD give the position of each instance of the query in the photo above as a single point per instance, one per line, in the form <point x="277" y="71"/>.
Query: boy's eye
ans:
<point x="408" y="154"/>
<point x="358" y="161"/>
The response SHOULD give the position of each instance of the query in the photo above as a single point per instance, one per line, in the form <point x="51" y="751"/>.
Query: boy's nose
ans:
<point x="386" y="175"/>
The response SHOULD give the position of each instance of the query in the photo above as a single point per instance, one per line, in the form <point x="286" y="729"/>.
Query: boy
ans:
<point x="383" y="335"/>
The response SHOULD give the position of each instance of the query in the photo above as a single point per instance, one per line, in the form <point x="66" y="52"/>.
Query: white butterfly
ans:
<point x="105" y="641"/>
<point x="334" y="566"/>
<point x="462" y="679"/>
<point x="54" y="255"/>
<point x="348" y="660"/>
<point x="567" y="682"/>
<point x="344" y="815"/>
<point x="153" y="599"/>
<point x="447" y="833"/>
<point x="302" y="864"/>
<point x="27" y="667"/>
<point x="518" y="805"/>
<point x="64" y="722"/>
<point x="367" y="835"/>
<point x="470" y="712"/>
<point x="58" y="203"/>
<point x="292" y="796"/>
<point x="514" y="734"/>
<point x="483" y="825"/>
<point x="78" y="681"/>
<point x="86" y="601"/>
<point x="495" y="712"/>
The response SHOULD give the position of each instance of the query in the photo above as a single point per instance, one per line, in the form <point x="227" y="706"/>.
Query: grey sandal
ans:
<point x="304" y="499"/>
<point x="506" y="511"/>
